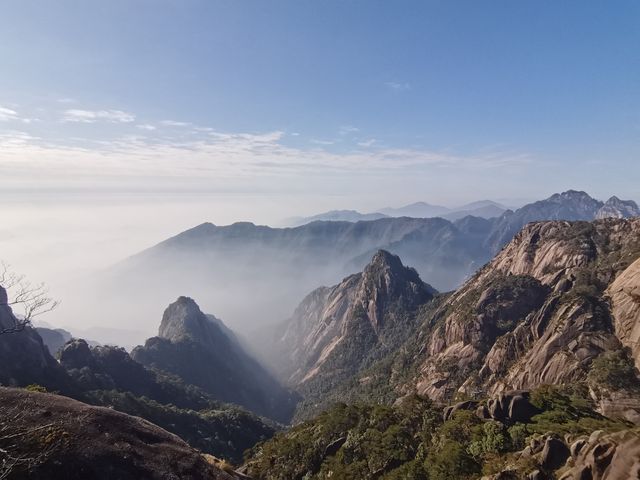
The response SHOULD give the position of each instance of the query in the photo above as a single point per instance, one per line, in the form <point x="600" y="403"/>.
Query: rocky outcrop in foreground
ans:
<point x="24" y="359"/>
<point x="45" y="436"/>
<point x="605" y="457"/>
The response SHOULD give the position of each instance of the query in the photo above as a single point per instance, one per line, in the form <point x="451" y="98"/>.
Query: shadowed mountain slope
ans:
<point x="200" y="350"/>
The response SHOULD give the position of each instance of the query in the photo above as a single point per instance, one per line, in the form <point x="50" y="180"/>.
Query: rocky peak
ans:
<point x="337" y="331"/>
<point x="3" y="296"/>
<point x="616" y="208"/>
<point x="203" y="352"/>
<point x="386" y="280"/>
<point x="581" y="204"/>
<point x="184" y="319"/>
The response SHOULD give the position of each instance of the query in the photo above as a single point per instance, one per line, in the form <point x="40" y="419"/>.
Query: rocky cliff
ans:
<point x="336" y="332"/>
<point x="554" y="299"/>
<point x="24" y="359"/>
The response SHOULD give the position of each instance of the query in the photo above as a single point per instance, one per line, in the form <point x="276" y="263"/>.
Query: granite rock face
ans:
<point x="624" y="296"/>
<point x="335" y="330"/>
<point x="613" y="456"/>
<point x="616" y="208"/>
<point x="538" y="313"/>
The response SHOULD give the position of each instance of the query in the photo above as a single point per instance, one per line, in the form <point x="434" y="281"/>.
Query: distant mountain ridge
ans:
<point x="276" y="267"/>
<point x="481" y="208"/>
<point x="335" y="216"/>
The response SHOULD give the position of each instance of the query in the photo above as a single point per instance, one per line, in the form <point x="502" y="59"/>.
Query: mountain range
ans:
<point x="528" y="370"/>
<point x="481" y="208"/>
<point x="275" y="267"/>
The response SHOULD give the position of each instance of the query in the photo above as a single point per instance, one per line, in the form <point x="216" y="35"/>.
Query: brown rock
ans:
<point x="613" y="456"/>
<point x="90" y="442"/>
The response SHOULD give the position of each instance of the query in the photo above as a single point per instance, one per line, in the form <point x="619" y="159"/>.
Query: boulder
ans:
<point x="511" y="407"/>
<point x="614" y="456"/>
<point x="466" y="405"/>
<point x="554" y="453"/>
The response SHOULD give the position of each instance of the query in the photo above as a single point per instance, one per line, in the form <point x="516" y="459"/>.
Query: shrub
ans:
<point x="493" y="440"/>
<point x="518" y="434"/>
<point x="614" y="370"/>
<point x="34" y="387"/>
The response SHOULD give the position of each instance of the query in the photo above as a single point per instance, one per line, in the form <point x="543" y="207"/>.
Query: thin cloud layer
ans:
<point x="143" y="154"/>
<point x="92" y="116"/>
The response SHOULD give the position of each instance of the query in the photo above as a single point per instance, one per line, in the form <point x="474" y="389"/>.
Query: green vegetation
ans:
<point x="568" y="410"/>
<point x="410" y="441"/>
<point x="614" y="370"/>
<point x="221" y="430"/>
<point x="34" y="387"/>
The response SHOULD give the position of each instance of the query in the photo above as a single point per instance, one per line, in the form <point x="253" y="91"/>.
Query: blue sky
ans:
<point x="442" y="101"/>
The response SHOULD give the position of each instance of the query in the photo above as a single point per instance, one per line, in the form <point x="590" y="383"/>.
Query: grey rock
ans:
<point x="554" y="453"/>
<point x="614" y="456"/>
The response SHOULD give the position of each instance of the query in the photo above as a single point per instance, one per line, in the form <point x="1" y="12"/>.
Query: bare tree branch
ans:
<point x="33" y="299"/>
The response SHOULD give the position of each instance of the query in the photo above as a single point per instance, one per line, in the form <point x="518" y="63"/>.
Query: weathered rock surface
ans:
<point x="511" y="407"/>
<point x="336" y="330"/>
<point x="624" y="294"/>
<point x="554" y="453"/>
<point x="63" y="439"/>
<point x="538" y="312"/>
<point x="614" y="456"/>
<point x="616" y="208"/>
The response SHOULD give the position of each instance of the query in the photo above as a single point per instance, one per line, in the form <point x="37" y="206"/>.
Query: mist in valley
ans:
<point x="83" y="246"/>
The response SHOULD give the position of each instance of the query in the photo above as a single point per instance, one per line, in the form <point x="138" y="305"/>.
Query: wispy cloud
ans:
<point x="219" y="157"/>
<point x="174" y="123"/>
<point x="7" y="114"/>
<point x="11" y="115"/>
<point x="92" y="116"/>
<point x="348" y="129"/>
<point x="367" y="143"/>
<point x="124" y="154"/>
<point x="398" y="86"/>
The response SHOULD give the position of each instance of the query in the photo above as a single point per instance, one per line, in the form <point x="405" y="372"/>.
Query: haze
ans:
<point x="123" y="124"/>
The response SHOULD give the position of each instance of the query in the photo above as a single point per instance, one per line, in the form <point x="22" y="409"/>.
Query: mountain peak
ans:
<point x="386" y="278"/>
<point x="575" y="195"/>
<point x="386" y="259"/>
<point x="183" y="318"/>
<point x="616" y="208"/>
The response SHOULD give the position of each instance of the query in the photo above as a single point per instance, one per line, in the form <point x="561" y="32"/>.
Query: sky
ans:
<point x="424" y="98"/>
<point x="125" y="121"/>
